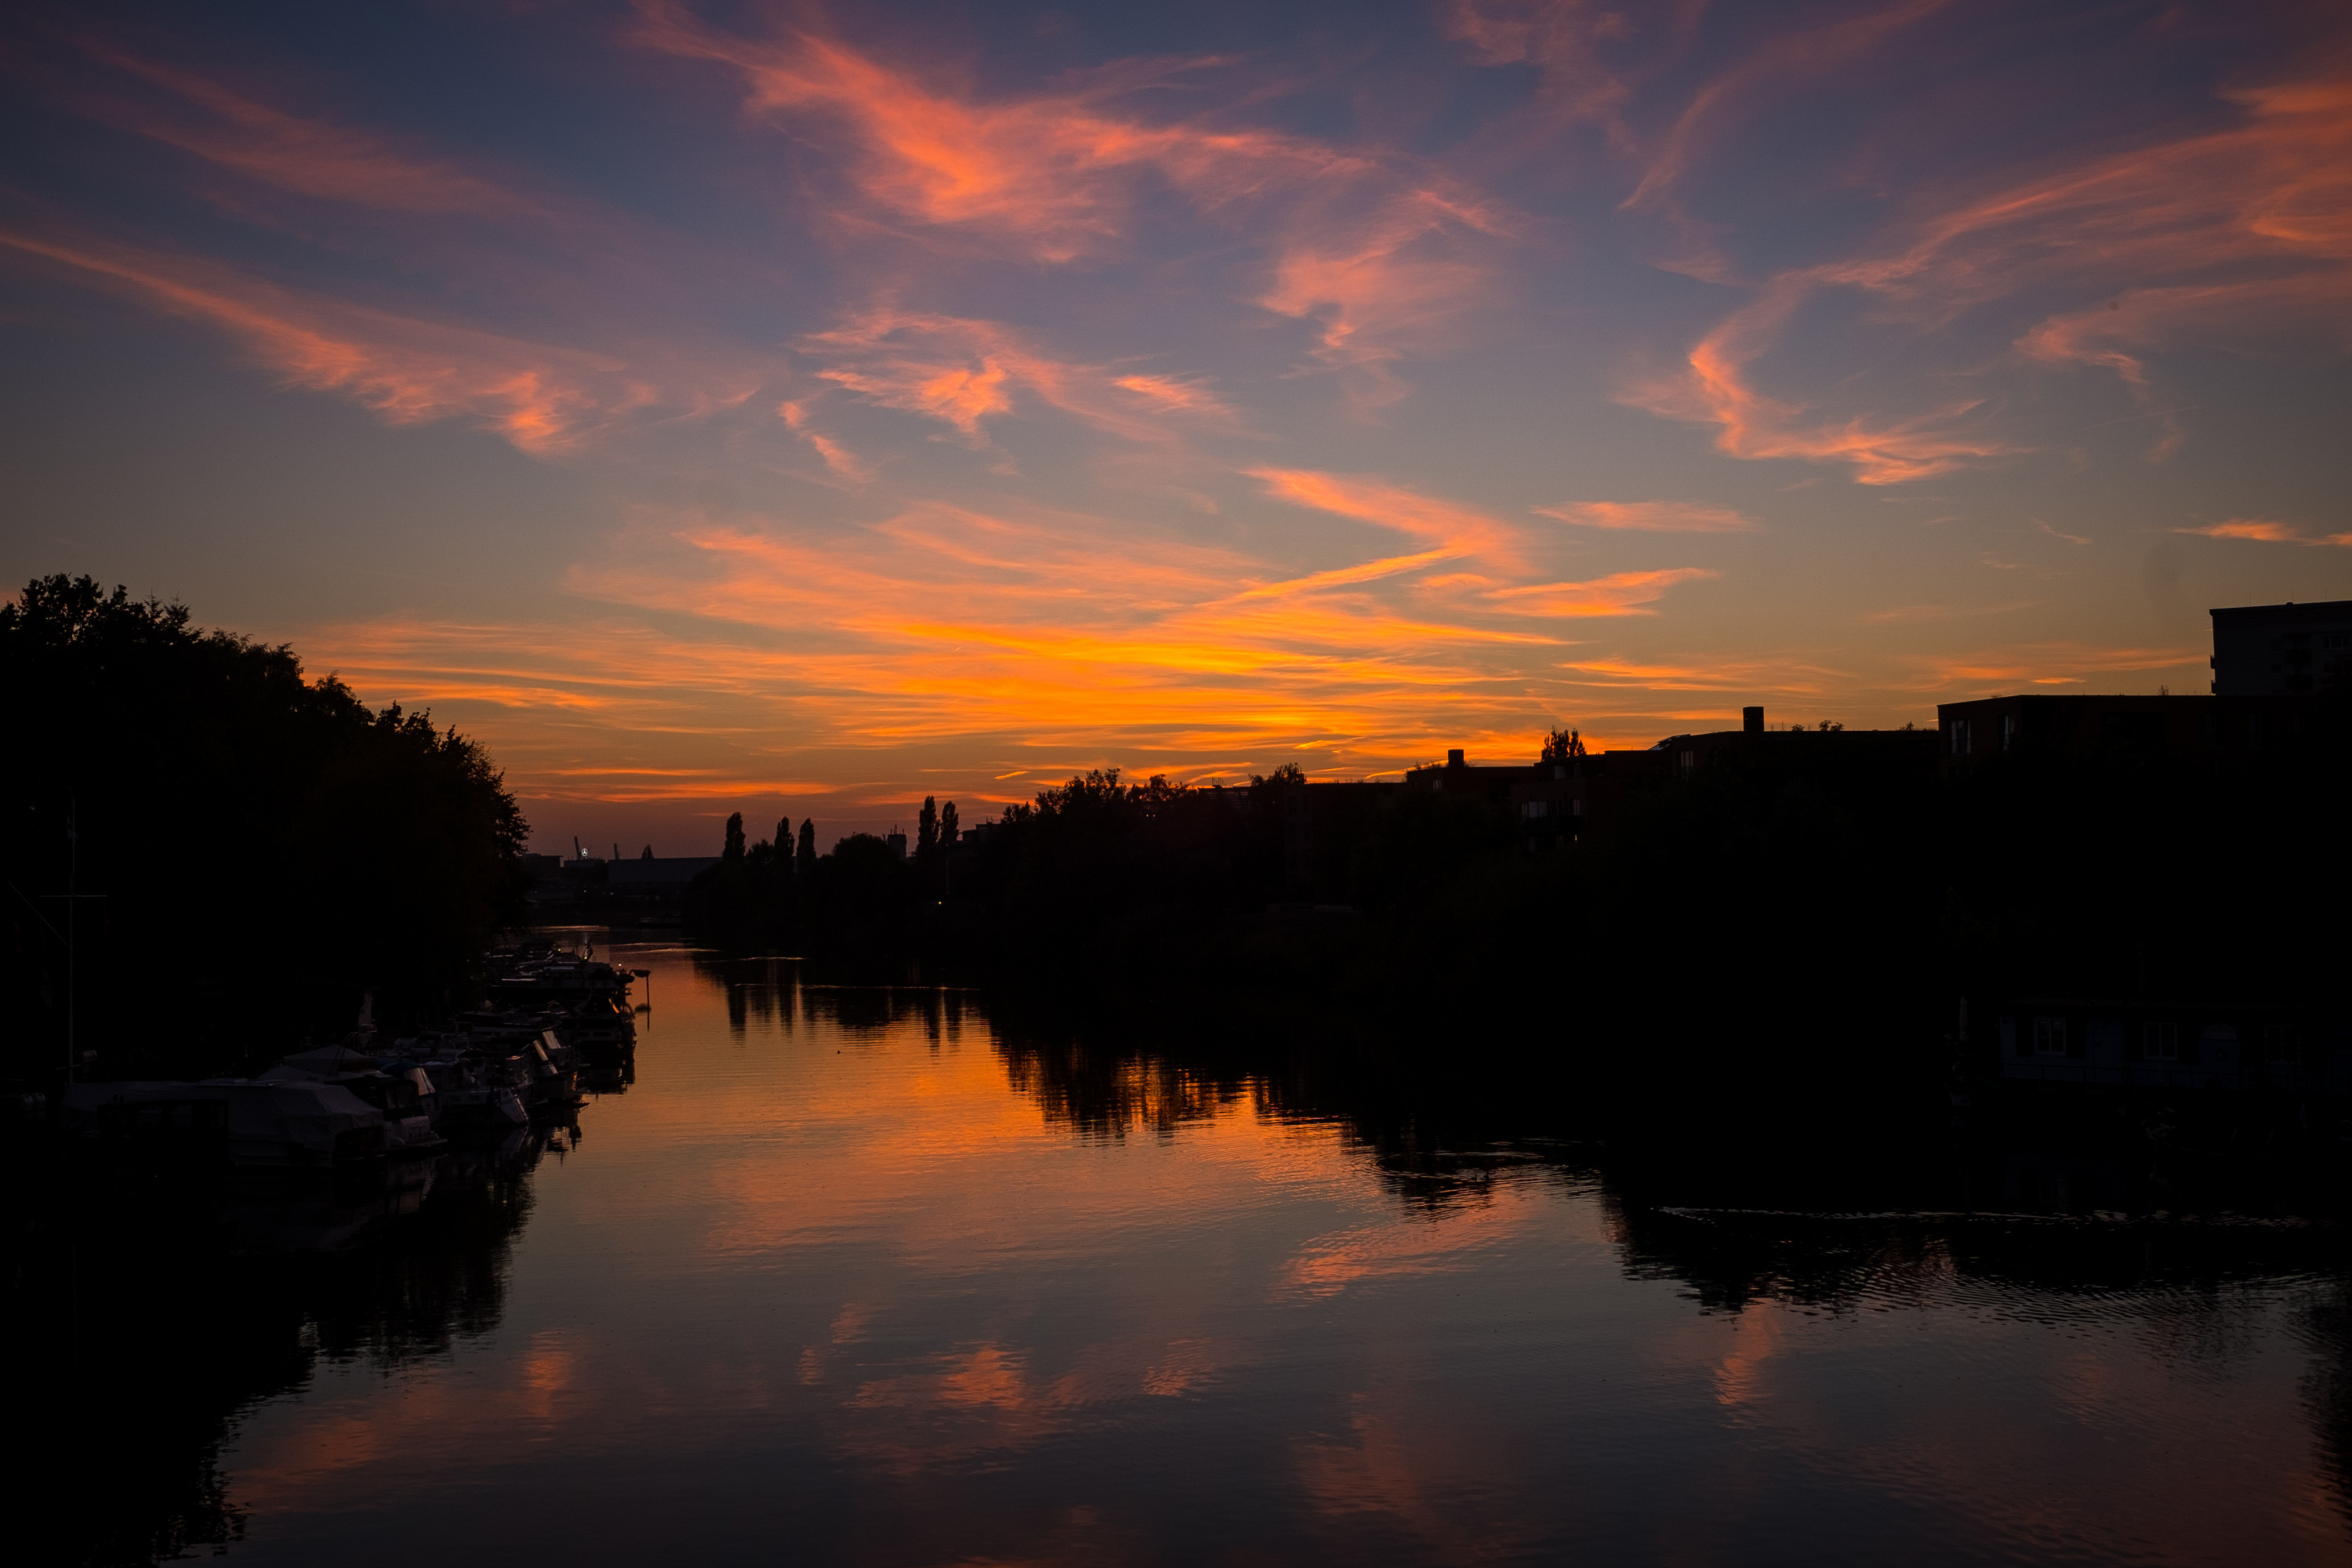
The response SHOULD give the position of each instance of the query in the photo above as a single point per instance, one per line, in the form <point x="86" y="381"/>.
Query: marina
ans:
<point x="557" y="1020"/>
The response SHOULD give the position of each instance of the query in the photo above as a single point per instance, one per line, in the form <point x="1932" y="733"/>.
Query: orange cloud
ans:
<point x="1054" y="172"/>
<point x="1452" y="530"/>
<point x="963" y="372"/>
<point x="1620" y="593"/>
<point x="1174" y="395"/>
<point x="539" y="397"/>
<point x="2266" y="530"/>
<point x="2208" y="235"/>
<point x="1014" y="633"/>
<point x="1385" y="285"/>
<point x="1376" y="255"/>
<point x="1713" y="387"/>
<point x="1651" y="516"/>
<point x="2047" y="664"/>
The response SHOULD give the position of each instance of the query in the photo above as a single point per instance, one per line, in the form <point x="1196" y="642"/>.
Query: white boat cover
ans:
<point x="297" y="1115"/>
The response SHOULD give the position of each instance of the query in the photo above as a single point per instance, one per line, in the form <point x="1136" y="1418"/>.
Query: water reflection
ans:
<point x="877" y="1275"/>
<point x="153" y="1305"/>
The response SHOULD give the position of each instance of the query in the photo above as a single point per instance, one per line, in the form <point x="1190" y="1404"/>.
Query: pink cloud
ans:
<point x="2201" y="237"/>
<point x="1380" y="255"/>
<point x="1385" y="285"/>
<point x="1057" y="171"/>
<point x="963" y="372"/>
<point x="541" y="398"/>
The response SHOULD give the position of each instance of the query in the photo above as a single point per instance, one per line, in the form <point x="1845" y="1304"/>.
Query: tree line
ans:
<point x="1811" y="912"/>
<point x="254" y="852"/>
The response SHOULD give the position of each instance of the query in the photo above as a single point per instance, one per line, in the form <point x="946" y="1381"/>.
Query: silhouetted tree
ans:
<point x="927" y="832"/>
<point x="948" y="830"/>
<point x="1562" y="744"/>
<point x="808" y="845"/>
<point x="343" y="849"/>
<point x="734" y="849"/>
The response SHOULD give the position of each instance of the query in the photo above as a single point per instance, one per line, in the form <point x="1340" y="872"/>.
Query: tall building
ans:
<point x="2262" y="651"/>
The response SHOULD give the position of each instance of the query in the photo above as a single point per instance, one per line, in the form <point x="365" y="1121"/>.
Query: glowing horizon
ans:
<point x="793" y="410"/>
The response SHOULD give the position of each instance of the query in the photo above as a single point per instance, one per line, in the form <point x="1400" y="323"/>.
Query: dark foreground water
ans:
<point x="843" y="1277"/>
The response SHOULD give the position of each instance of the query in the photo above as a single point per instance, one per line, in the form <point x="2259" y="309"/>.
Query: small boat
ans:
<point x="276" y="1124"/>
<point x="405" y="1097"/>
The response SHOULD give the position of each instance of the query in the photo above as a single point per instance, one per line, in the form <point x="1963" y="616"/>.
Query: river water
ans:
<point x="844" y="1276"/>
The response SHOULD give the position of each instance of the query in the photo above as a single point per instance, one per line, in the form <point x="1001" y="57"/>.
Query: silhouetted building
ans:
<point x="1467" y="781"/>
<point x="1555" y="802"/>
<point x="2283" y="649"/>
<point x="2269" y="663"/>
<point x="2082" y="728"/>
<point x="2172" y="1045"/>
<point x="1321" y="824"/>
<point x="897" y="842"/>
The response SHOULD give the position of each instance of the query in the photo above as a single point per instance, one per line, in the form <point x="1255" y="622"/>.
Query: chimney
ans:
<point x="1752" y="721"/>
<point x="1454" y="758"/>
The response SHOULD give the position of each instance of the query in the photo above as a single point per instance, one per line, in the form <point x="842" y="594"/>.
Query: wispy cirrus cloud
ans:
<point x="1380" y="254"/>
<point x="1391" y="282"/>
<point x="543" y="398"/>
<point x="2267" y="531"/>
<point x="1619" y="594"/>
<point x="1452" y="530"/>
<point x="2197" y="237"/>
<point x="304" y="156"/>
<point x="1565" y="39"/>
<point x="963" y="372"/>
<point x="1054" y="172"/>
<point x="1782" y="63"/>
<point x="2046" y="664"/>
<point x="1715" y="385"/>
<point x="1652" y="516"/>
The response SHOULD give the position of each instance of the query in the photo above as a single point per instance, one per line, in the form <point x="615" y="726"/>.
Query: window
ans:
<point x="1959" y="737"/>
<point x="1532" y="809"/>
<point x="2281" y="1043"/>
<point x="1690" y="761"/>
<point x="2049" y="1036"/>
<point x="2159" y="1041"/>
<point x="1576" y="808"/>
<point x="2008" y="732"/>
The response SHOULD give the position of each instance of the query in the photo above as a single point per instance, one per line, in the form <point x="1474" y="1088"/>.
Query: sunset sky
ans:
<point x="806" y="409"/>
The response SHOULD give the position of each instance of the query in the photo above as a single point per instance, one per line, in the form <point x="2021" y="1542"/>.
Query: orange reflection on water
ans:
<point x="844" y="1260"/>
